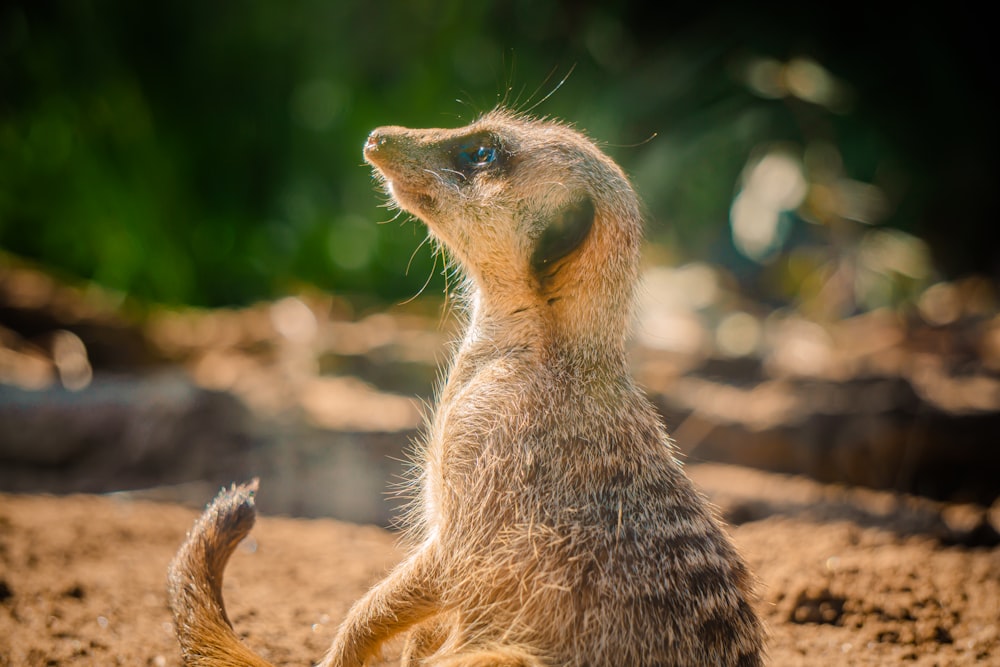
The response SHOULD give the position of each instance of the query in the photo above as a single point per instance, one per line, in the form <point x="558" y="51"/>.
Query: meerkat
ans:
<point x="554" y="524"/>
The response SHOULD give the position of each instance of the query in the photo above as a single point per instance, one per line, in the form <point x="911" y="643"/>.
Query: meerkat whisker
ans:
<point x="430" y="275"/>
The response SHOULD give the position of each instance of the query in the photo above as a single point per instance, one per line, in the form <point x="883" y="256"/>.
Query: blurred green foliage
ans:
<point x="210" y="153"/>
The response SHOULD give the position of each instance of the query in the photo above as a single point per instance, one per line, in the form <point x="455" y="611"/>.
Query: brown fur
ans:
<point x="555" y="526"/>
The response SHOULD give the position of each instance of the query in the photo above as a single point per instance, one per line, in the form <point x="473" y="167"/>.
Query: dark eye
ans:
<point x="478" y="156"/>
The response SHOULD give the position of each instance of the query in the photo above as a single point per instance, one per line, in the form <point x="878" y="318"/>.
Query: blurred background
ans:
<point x="197" y="282"/>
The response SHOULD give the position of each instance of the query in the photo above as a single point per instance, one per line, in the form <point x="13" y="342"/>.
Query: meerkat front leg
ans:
<point x="425" y="639"/>
<point x="404" y="598"/>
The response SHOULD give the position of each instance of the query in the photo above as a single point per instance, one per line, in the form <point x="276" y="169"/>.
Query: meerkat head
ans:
<point x="534" y="213"/>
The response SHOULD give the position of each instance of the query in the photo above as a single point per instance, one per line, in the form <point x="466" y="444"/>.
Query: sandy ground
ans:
<point x="848" y="577"/>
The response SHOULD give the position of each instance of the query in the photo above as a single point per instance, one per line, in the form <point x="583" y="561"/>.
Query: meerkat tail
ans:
<point x="195" y="583"/>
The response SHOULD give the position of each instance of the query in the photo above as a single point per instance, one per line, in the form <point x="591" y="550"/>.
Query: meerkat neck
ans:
<point x="570" y="333"/>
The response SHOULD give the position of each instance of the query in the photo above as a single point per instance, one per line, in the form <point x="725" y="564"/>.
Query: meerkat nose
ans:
<point x="375" y="139"/>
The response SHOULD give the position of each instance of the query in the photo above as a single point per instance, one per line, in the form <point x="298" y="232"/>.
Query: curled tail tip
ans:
<point x="238" y="497"/>
<point x="232" y="512"/>
<point x="231" y="516"/>
<point x="224" y="523"/>
<point x="238" y="494"/>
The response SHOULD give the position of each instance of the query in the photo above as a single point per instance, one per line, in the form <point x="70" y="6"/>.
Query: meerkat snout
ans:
<point x="371" y="143"/>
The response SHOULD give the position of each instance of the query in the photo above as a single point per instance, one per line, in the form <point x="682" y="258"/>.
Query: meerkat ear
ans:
<point x="562" y="235"/>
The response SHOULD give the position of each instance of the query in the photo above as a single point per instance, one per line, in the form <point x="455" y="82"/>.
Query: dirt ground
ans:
<point x="848" y="576"/>
<point x="317" y="400"/>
